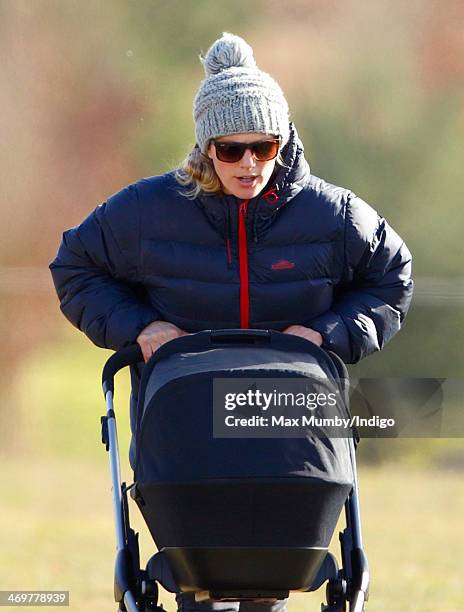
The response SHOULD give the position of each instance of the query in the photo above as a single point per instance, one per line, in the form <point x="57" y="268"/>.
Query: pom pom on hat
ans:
<point x="230" y="51"/>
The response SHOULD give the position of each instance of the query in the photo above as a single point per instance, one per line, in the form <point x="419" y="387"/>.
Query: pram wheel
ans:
<point x="149" y="600"/>
<point x="335" y="595"/>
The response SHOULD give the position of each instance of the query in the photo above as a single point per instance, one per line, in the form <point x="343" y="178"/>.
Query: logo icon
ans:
<point x="283" y="264"/>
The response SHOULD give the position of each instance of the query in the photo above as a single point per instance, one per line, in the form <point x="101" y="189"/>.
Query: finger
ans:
<point x="143" y="347"/>
<point x="167" y="337"/>
<point x="149" y="350"/>
<point x="153" y="349"/>
<point x="292" y="331"/>
<point x="147" y="353"/>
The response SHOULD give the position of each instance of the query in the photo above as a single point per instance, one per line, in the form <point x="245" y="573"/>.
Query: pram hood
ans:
<point x="174" y="432"/>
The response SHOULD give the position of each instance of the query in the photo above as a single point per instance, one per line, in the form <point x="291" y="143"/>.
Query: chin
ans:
<point x="245" y="193"/>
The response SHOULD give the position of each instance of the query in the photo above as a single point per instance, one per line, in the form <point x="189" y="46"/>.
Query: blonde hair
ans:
<point x="196" y="174"/>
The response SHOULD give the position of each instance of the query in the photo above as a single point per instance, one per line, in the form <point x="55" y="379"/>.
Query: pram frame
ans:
<point x="136" y="590"/>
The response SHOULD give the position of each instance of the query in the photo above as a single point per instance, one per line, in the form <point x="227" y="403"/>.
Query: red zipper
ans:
<point x="243" y="262"/>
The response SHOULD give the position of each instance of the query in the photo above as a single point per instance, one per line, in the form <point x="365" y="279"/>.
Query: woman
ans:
<point x="241" y="235"/>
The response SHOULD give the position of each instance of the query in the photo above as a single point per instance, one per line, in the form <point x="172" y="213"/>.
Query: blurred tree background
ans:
<point x="94" y="95"/>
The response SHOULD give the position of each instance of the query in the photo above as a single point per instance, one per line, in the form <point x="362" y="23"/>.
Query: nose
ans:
<point x="248" y="160"/>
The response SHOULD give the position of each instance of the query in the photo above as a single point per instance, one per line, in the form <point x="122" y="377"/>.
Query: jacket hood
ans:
<point x="291" y="178"/>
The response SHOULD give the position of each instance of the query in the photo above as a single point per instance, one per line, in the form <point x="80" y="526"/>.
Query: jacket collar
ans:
<point x="285" y="183"/>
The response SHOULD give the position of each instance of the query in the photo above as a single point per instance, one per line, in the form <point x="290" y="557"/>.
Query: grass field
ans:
<point x="57" y="533"/>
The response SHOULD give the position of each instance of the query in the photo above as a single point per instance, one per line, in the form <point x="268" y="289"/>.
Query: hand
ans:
<point x="156" y="334"/>
<point x="305" y="332"/>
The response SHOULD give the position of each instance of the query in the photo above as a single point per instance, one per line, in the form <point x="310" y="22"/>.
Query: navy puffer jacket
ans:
<point x="302" y="252"/>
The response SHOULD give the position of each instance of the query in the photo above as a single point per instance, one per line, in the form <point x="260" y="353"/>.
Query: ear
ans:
<point x="209" y="151"/>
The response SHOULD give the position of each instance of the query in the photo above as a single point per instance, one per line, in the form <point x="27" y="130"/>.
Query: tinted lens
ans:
<point x="232" y="152"/>
<point x="265" y="150"/>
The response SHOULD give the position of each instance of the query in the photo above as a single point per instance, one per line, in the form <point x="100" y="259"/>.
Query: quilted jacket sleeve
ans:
<point x="374" y="296"/>
<point x="96" y="272"/>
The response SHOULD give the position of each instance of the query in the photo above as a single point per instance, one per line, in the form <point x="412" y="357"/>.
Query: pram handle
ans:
<point x="132" y="354"/>
<point x="126" y="356"/>
<point x="246" y="336"/>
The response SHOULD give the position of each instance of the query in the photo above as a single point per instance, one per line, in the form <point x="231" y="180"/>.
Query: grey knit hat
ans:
<point x="236" y="96"/>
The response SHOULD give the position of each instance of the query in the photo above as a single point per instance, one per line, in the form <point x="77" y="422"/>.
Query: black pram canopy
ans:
<point x="174" y="432"/>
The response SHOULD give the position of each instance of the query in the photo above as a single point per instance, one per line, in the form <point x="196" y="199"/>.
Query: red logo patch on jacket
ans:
<point x="271" y="196"/>
<point x="283" y="264"/>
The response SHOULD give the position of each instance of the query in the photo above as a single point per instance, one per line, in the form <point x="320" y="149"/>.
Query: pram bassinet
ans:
<point x="236" y="514"/>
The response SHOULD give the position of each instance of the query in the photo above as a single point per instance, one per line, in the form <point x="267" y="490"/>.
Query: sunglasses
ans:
<point x="231" y="152"/>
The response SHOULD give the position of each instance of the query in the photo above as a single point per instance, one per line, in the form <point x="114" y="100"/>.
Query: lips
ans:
<point x="247" y="180"/>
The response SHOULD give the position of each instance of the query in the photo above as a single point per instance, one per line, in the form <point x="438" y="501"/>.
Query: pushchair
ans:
<point x="233" y="518"/>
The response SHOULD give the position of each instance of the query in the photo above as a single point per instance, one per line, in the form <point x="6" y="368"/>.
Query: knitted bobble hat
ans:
<point x="237" y="97"/>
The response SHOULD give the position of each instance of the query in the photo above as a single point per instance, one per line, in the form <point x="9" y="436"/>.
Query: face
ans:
<point x="247" y="177"/>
